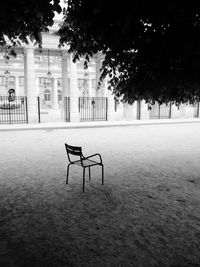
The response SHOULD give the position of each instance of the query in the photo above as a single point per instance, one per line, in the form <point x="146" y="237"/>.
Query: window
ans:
<point x="80" y="83"/>
<point x="42" y="81"/>
<point x="21" y="80"/>
<point x="93" y="83"/>
<point x="59" y="95"/>
<point x="2" y="80"/>
<point x="38" y="58"/>
<point x="47" y="95"/>
<point x="83" y="84"/>
<point x="12" y="81"/>
<point x="59" y="82"/>
<point x="103" y="84"/>
<point x="86" y="83"/>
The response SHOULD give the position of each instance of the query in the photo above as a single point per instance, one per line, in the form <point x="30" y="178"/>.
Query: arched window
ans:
<point x="59" y="95"/>
<point x="47" y="95"/>
<point x="59" y="82"/>
<point x="12" y="81"/>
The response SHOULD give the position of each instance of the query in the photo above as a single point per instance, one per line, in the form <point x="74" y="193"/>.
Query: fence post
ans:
<point x="9" y="113"/>
<point x="170" y="110"/>
<point x="158" y="111"/>
<point x="106" y="108"/>
<point x="79" y="103"/>
<point x="69" y="109"/>
<point x="198" y="110"/>
<point x="26" y="109"/>
<point x="38" y="100"/>
<point x="138" y="110"/>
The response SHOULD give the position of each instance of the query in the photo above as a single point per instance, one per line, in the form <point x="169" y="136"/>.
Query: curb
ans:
<point x="31" y="127"/>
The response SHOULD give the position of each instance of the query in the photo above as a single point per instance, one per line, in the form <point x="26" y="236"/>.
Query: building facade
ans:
<point x="46" y="86"/>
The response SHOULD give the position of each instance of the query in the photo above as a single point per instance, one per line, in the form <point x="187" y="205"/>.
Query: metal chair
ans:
<point x="84" y="162"/>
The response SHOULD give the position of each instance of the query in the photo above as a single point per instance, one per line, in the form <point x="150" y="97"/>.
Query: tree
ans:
<point x="22" y="20"/>
<point x="151" y="48"/>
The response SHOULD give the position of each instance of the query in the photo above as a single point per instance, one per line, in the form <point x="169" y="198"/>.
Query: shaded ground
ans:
<point x="146" y="214"/>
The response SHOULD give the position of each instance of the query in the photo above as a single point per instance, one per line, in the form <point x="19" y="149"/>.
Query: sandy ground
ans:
<point x="146" y="214"/>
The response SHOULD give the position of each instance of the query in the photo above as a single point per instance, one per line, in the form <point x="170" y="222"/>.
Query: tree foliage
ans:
<point x="24" y="20"/>
<point x="151" y="48"/>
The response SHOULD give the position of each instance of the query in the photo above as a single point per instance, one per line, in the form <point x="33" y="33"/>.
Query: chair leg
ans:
<point x="67" y="173"/>
<point x="102" y="174"/>
<point x="89" y="173"/>
<point x="83" y="179"/>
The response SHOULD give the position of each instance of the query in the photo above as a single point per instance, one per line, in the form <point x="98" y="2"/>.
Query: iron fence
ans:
<point x="67" y="108"/>
<point x="93" y="108"/>
<point x="160" y="111"/>
<point x="13" y="110"/>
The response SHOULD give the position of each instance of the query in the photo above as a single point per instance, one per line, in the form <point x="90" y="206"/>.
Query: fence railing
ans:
<point x="13" y="111"/>
<point x="93" y="108"/>
<point x="160" y="111"/>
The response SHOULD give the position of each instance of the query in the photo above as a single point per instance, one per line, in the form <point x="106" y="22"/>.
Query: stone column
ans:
<point x="144" y="112"/>
<point x="37" y="87"/>
<point x="90" y="88"/>
<point x="119" y="113"/>
<point x="29" y="81"/>
<point x="74" y="92"/>
<point x="65" y="83"/>
<point x="97" y="75"/>
<point x="55" y="94"/>
<point x="111" y="104"/>
<point x="17" y="93"/>
<point x="65" y="75"/>
<point x="105" y="89"/>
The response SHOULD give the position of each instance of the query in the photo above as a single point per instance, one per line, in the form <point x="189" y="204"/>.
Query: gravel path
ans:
<point x="146" y="214"/>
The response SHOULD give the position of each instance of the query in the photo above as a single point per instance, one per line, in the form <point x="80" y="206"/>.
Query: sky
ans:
<point x="60" y="16"/>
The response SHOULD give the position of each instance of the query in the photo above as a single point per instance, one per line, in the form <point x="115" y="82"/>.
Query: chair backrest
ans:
<point x="73" y="150"/>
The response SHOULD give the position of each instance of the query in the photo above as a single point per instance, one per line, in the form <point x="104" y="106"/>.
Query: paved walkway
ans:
<point x="145" y="215"/>
<point x="91" y="124"/>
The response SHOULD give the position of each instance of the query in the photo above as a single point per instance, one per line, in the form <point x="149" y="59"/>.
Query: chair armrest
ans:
<point x="97" y="154"/>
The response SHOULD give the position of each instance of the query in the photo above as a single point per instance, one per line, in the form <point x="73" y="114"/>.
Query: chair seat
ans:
<point x="86" y="162"/>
